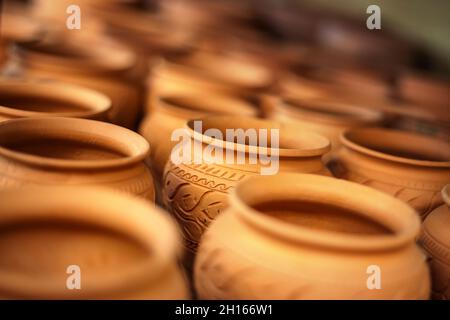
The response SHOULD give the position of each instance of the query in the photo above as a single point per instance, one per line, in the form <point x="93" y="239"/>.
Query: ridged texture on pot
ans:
<point x="247" y="255"/>
<point x="417" y="182"/>
<point x="435" y="239"/>
<point x="124" y="247"/>
<point x="127" y="173"/>
<point x="197" y="193"/>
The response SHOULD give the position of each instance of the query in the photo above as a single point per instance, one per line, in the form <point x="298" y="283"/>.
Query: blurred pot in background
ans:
<point x="429" y="91"/>
<point x="411" y="167"/>
<point x="124" y="248"/>
<point x="26" y="99"/>
<point x="15" y="27"/>
<point x="68" y="151"/>
<point x="97" y="63"/>
<point x="325" y="116"/>
<point x="203" y="71"/>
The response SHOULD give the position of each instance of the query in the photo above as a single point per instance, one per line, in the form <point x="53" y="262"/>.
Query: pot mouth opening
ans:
<point x="82" y="54"/>
<point x="331" y="111"/>
<point x="253" y="135"/>
<point x="114" y="251"/>
<point x="55" y="99"/>
<point x="212" y="104"/>
<point x="398" y="146"/>
<point x="293" y="207"/>
<point x="69" y="143"/>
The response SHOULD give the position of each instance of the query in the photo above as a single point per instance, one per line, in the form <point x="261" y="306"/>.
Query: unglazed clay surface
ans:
<point x="300" y="236"/>
<point x="435" y="239"/>
<point x="66" y="151"/>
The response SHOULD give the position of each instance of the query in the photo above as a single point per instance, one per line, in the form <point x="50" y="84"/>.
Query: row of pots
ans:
<point x="60" y="151"/>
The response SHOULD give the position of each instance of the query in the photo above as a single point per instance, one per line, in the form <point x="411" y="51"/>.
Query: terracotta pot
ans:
<point x="202" y="71"/>
<point x="435" y="239"/>
<point x="412" y="167"/>
<point x="197" y="192"/>
<point x="16" y="28"/>
<point x="375" y="48"/>
<point x="24" y="99"/>
<point x="171" y="112"/>
<point x="302" y="236"/>
<point x="124" y="248"/>
<point x="67" y="151"/>
<point x="97" y="63"/>
<point x="324" y="116"/>
<point x="314" y="80"/>
<point x="429" y="91"/>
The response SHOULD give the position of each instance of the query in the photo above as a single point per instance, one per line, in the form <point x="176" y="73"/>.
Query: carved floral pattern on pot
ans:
<point x="26" y="99"/>
<point x="303" y="236"/>
<point x="411" y="167"/>
<point x="68" y="151"/>
<point x="197" y="192"/>
<point x="435" y="239"/>
<point x="124" y="247"/>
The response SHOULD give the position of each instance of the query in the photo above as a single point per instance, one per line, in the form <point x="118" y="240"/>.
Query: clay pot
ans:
<point x="124" y="248"/>
<point x="302" y="236"/>
<point x="411" y="167"/>
<point x="68" y="151"/>
<point x="97" y="63"/>
<point x="16" y="28"/>
<point x="428" y="91"/>
<point x="53" y="14"/>
<point x="171" y="112"/>
<point x="198" y="191"/>
<point x="22" y="99"/>
<point x="325" y="116"/>
<point x="204" y="71"/>
<point x="435" y="239"/>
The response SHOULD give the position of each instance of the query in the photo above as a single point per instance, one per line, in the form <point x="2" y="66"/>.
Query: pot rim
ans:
<point x="323" y="147"/>
<point x="93" y="55"/>
<point x="94" y="103"/>
<point x="351" y="113"/>
<point x="145" y="225"/>
<point x="347" y="142"/>
<point x="171" y="104"/>
<point x="404" y="222"/>
<point x="133" y="146"/>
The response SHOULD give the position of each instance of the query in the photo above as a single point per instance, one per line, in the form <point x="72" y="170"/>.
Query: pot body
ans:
<point x="255" y="265"/>
<point x="436" y="242"/>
